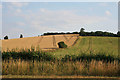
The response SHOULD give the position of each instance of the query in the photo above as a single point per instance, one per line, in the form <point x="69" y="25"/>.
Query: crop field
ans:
<point x="44" y="42"/>
<point x="91" y="45"/>
<point x="87" y="56"/>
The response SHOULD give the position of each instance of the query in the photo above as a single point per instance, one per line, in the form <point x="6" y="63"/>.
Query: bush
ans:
<point x="21" y="36"/>
<point x="6" y="37"/>
<point x="62" y="45"/>
<point x="28" y="55"/>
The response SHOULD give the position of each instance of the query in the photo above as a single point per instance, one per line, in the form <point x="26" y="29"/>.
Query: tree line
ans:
<point x="98" y="33"/>
<point x="83" y="33"/>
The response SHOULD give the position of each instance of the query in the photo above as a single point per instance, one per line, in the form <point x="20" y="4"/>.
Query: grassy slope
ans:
<point x="105" y="45"/>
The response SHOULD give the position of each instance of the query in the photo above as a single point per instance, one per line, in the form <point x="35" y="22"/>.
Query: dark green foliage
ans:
<point x="6" y="37"/>
<point x="69" y="58"/>
<point x="62" y="45"/>
<point x="82" y="57"/>
<point x="28" y="55"/>
<point x="97" y="33"/>
<point x="61" y="33"/>
<point x="118" y="33"/>
<point x="83" y="33"/>
<point x="21" y="36"/>
<point x="45" y="56"/>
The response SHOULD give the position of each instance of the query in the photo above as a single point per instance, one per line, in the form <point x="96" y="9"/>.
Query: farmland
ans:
<point x="93" y="56"/>
<point x="94" y="45"/>
<point x="44" y="42"/>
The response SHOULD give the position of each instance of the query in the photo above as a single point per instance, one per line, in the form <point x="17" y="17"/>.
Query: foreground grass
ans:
<point x="45" y="56"/>
<point x="58" y="68"/>
<point x="60" y="77"/>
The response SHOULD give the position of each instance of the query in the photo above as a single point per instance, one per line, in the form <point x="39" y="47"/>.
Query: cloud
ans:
<point x="19" y="4"/>
<point x="18" y="10"/>
<point x="107" y="13"/>
<point x="61" y="18"/>
<point x="45" y="19"/>
<point x="0" y="6"/>
<point x="42" y="9"/>
<point x="20" y="24"/>
<point x="15" y="7"/>
<point x="103" y="4"/>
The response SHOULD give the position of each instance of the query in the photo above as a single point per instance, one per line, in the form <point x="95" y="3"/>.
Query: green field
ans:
<point x="93" y="45"/>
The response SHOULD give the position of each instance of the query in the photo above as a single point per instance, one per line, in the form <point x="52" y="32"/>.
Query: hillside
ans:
<point x="86" y="45"/>
<point x="94" y="45"/>
<point x="44" y="42"/>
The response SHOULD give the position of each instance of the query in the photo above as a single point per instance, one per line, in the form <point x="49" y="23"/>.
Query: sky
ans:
<point x="36" y="18"/>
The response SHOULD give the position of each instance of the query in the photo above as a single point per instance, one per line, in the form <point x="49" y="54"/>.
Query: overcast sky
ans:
<point x="35" y="18"/>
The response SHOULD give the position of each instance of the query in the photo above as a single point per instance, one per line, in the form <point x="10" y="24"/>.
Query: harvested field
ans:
<point x="44" y="42"/>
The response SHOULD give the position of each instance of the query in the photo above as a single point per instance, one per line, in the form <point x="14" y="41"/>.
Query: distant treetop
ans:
<point x="6" y="37"/>
<point x="21" y="36"/>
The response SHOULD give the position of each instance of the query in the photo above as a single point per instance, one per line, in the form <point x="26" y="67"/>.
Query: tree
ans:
<point x="82" y="32"/>
<point x="21" y="36"/>
<point x="99" y="33"/>
<point x="6" y="37"/>
<point x="118" y="33"/>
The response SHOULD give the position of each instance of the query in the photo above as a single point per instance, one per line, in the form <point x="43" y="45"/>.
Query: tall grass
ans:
<point x="28" y="54"/>
<point x="45" y="56"/>
<point x="31" y="62"/>
<point x="49" y="68"/>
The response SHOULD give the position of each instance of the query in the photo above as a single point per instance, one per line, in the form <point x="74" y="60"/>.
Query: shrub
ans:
<point x="6" y="37"/>
<point x="28" y="55"/>
<point x="62" y="45"/>
<point x="21" y="36"/>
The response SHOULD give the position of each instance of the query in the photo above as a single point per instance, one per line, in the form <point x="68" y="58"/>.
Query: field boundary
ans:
<point x="75" y="41"/>
<point x="70" y="38"/>
<point x="54" y="41"/>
